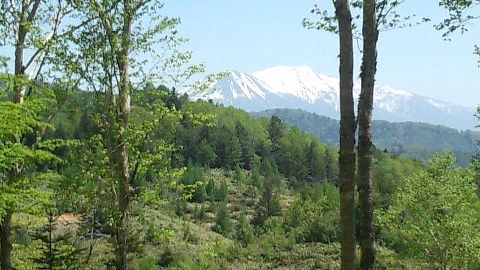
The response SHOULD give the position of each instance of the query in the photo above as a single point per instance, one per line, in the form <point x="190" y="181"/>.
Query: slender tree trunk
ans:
<point x="122" y="150"/>
<point x="18" y="96"/>
<point x="347" y="136"/>
<point x="365" y="106"/>
<point x="5" y="241"/>
<point x="19" y="68"/>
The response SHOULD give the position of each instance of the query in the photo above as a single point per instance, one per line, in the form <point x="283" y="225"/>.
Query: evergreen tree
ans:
<point x="57" y="250"/>
<point x="228" y="149"/>
<point x="330" y="174"/>
<point x="275" y="132"/>
<point x="222" y="220"/>
<point x="210" y="189"/>
<point x="247" y="145"/>
<point x="221" y="193"/>
<point x="233" y="153"/>
<point x="244" y="232"/>
<point x="239" y="174"/>
<point x="269" y="204"/>
<point x="316" y="164"/>
<point x="206" y="154"/>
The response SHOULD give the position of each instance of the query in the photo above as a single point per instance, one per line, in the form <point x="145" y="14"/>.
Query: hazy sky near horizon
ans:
<point x="251" y="35"/>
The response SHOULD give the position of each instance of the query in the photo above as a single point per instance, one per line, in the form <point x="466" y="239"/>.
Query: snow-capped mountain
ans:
<point x="302" y="88"/>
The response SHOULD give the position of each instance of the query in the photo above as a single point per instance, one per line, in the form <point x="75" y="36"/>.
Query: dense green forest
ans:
<point x="415" y="140"/>
<point x="104" y="166"/>
<point x="228" y="192"/>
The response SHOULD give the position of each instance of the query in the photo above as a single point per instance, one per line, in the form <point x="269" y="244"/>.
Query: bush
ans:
<point x="210" y="189"/>
<point x="313" y="217"/>
<point x="193" y="177"/>
<point x="434" y="216"/>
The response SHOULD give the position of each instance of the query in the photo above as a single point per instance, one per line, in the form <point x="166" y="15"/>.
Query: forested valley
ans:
<point x="104" y="165"/>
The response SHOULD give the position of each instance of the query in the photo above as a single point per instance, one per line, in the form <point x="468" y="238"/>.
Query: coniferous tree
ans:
<point x="244" y="231"/>
<point x="222" y="220"/>
<point x="247" y="145"/>
<point x="57" y="250"/>
<point x="233" y="153"/>
<point x="330" y="174"/>
<point x="228" y="149"/>
<point x="221" y="193"/>
<point x="210" y="189"/>
<point x="316" y="165"/>
<point x="269" y="204"/>
<point x="275" y="133"/>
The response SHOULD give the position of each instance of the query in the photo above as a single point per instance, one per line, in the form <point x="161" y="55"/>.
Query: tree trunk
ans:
<point x="5" y="241"/>
<point x="19" y="66"/>
<point x="347" y="136"/>
<point x="122" y="150"/>
<point x="18" y="97"/>
<point x="365" y="106"/>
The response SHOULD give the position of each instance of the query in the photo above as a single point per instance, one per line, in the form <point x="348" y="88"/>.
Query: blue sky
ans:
<point x="250" y="35"/>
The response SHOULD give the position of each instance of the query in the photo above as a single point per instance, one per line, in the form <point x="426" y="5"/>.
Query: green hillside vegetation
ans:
<point x="228" y="192"/>
<point x="104" y="166"/>
<point x="415" y="140"/>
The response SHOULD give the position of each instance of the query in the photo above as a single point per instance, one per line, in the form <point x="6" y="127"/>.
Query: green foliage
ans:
<point x="239" y="174"/>
<point x="210" y="189"/>
<point x="389" y="173"/>
<point x="275" y="132"/>
<point x="194" y="177"/>
<point x="27" y="158"/>
<point x="246" y="144"/>
<point x="220" y="194"/>
<point x="256" y="179"/>
<point x="201" y="213"/>
<point x="244" y="231"/>
<point x="387" y="17"/>
<point x="414" y="140"/>
<point x="317" y="163"/>
<point x="57" y="248"/>
<point x="291" y="157"/>
<point x="459" y="16"/>
<point x="430" y="217"/>
<point x="313" y="217"/>
<point x="223" y="223"/>
<point x="269" y="204"/>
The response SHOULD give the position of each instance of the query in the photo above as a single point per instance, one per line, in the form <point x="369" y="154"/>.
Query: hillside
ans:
<point x="417" y="140"/>
<point x="122" y="150"/>
<point x="235" y="192"/>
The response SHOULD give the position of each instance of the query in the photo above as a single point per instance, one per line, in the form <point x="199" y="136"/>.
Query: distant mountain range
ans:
<point x="417" y="140"/>
<point x="302" y="88"/>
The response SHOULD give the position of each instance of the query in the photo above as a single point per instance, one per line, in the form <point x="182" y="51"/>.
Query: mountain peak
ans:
<point x="299" y="81"/>
<point x="299" y="87"/>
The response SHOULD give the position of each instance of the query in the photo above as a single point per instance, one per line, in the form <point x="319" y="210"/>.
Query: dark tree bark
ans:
<point x="365" y="106"/>
<point x="5" y="241"/>
<point x="347" y="136"/>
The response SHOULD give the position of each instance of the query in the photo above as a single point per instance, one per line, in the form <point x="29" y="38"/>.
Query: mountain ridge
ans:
<point x="301" y="88"/>
<point x="413" y="139"/>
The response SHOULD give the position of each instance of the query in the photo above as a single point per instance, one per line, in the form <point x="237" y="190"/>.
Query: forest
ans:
<point x="104" y="165"/>
<point x="412" y="139"/>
